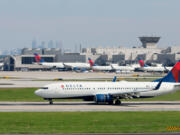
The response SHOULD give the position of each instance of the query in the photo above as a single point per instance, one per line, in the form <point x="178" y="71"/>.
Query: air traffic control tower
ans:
<point x="149" y="42"/>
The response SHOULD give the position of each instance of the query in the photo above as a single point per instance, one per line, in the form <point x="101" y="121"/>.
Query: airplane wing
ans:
<point x="133" y="91"/>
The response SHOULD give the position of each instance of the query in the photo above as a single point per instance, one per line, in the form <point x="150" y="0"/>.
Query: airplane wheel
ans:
<point x="117" y="102"/>
<point x="50" y="102"/>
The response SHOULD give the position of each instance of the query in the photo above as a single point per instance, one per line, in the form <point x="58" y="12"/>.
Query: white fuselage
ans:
<point x="52" y="64"/>
<point x="123" y="68"/>
<point x="83" y="89"/>
<point x="1" y="64"/>
<point x="101" y="68"/>
<point x="156" y="69"/>
<point x="153" y="69"/>
<point x="77" y="65"/>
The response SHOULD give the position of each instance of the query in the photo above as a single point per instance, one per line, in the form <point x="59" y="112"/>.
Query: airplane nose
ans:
<point x="38" y="92"/>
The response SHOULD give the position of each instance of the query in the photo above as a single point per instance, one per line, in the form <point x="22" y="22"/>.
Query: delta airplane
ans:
<point x="123" y="69"/>
<point x="147" y="68"/>
<point x="112" y="92"/>
<point x="73" y="66"/>
<point x="77" y="66"/>
<point x="95" y="67"/>
<point x="48" y="64"/>
<point x="1" y="64"/>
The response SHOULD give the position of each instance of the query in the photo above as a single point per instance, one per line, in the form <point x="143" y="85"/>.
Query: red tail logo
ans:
<point x="141" y="62"/>
<point x="91" y="62"/>
<point x="175" y="71"/>
<point x="37" y="57"/>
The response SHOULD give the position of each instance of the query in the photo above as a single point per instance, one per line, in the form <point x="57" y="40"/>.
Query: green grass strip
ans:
<point x="88" y="122"/>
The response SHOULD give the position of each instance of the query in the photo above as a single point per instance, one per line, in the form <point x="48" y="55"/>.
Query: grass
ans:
<point x="27" y="94"/>
<point x="22" y="94"/>
<point x="18" y="94"/>
<point x="88" y="122"/>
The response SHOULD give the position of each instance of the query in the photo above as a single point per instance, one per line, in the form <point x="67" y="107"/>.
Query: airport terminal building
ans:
<point x="101" y="56"/>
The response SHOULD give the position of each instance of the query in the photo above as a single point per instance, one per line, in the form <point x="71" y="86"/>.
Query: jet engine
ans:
<point x="103" y="98"/>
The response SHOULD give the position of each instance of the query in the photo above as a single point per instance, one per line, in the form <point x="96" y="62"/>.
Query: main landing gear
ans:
<point x="117" y="102"/>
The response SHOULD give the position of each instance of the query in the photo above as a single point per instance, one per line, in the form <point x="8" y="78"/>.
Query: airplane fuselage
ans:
<point x="77" y="65"/>
<point x="153" y="69"/>
<point x="52" y="64"/>
<point x="123" y="68"/>
<point x="101" y="68"/>
<point x="83" y="89"/>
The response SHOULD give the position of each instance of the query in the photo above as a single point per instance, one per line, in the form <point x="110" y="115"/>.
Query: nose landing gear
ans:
<point x="50" y="101"/>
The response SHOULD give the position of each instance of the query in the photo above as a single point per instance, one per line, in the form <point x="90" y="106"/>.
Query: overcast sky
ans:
<point x="88" y="22"/>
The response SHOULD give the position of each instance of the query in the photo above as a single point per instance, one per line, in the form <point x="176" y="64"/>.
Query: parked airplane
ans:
<point x="98" y="68"/>
<point x="112" y="92"/>
<point x="147" y="68"/>
<point x="123" y="69"/>
<point x="48" y="64"/>
<point x="77" y="66"/>
<point x="74" y="66"/>
<point x="1" y="64"/>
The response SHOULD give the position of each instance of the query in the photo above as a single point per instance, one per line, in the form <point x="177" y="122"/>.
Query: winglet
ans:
<point x="158" y="85"/>
<point x="114" y="79"/>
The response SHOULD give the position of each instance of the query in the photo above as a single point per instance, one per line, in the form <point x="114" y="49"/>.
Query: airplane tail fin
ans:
<point x="173" y="75"/>
<point x="91" y="62"/>
<point x="141" y="63"/>
<point x="38" y="58"/>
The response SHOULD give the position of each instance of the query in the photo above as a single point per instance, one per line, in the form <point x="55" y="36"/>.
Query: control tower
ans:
<point x="149" y="42"/>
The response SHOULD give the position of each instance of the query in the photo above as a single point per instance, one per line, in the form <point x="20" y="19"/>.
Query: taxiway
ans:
<point x="89" y="106"/>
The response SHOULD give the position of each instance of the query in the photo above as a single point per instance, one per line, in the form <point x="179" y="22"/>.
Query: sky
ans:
<point x="91" y="23"/>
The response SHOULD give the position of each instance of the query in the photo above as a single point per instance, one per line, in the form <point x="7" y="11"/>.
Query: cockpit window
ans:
<point x="45" y="88"/>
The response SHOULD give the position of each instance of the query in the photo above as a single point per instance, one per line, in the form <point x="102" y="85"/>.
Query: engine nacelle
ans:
<point x="103" y="98"/>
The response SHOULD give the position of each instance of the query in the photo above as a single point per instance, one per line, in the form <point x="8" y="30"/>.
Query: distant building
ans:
<point x="51" y="44"/>
<point x="42" y="45"/>
<point x="71" y="57"/>
<point x="30" y="51"/>
<point x="44" y="51"/>
<point x="25" y="62"/>
<point x="149" y="42"/>
<point x="34" y="44"/>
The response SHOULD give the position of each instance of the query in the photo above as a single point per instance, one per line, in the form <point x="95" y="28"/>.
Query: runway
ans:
<point x="89" y="106"/>
<point x="68" y="75"/>
<point x="39" y="79"/>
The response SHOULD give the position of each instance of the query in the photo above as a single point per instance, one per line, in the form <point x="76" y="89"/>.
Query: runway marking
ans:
<point x="89" y="106"/>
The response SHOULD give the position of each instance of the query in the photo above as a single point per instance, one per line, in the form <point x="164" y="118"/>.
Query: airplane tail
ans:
<point x="173" y="75"/>
<point x="91" y="62"/>
<point x="141" y="63"/>
<point x="38" y="58"/>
